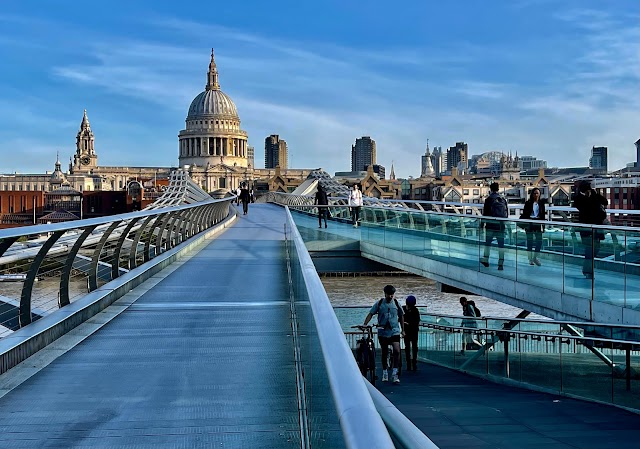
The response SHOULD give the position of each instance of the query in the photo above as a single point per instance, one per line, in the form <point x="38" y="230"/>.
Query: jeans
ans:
<point x="491" y="234"/>
<point x="355" y="214"/>
<point x="534" y="242"/>
<point x="322" y="213"/>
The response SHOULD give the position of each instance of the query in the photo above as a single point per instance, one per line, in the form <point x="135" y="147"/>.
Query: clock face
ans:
<point x="86" y="160"/>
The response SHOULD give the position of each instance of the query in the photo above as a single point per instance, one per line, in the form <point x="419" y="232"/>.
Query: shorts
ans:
<point x="385" y="341"/>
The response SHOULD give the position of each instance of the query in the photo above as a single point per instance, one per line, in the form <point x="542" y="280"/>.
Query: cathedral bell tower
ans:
<point x="85" y="158"/>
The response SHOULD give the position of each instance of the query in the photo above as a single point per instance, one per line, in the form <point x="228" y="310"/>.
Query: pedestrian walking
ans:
<point x="321" y="200"/>
<point x="411" y="332"/>
<point x="592" y="209"/>
<point x="468" y="338"/>
<point x="355" y="201"/>
<point x="244" y="197"/>
<point x="494" y="206"/>
<point x="534" y="209"/>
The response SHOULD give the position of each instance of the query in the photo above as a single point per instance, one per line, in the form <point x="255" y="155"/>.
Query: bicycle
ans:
<point x="366" y="353"/>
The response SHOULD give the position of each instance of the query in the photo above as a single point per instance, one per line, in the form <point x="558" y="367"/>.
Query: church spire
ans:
<point x="212" y="76"/>
<point x="427" y="153"/>
<point x="85" y="121"/>
<point x="392" y="176"/>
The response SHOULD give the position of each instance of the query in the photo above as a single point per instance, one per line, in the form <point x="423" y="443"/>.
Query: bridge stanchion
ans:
<point x="162" y="242"/>
<point x="95" y="259"/>
<point x="133" y="252"/>
<point x="115" y="262"/>
<point x="27" y="287"/>
<point x="68" y="265"/>
<point x="147" y="246"/>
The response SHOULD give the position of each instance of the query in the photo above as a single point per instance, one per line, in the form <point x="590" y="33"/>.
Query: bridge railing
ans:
<point x="598" y="263"/>
<point x="326" y="355"/>
<point x="575" y="359"/>
<point x="46" y="267"/>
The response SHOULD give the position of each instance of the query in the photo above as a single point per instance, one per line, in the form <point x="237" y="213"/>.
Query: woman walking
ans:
<point x="534" y="209"/>
<point x="355" y="201"/>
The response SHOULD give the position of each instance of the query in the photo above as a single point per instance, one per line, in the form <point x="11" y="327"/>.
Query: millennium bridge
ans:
<point x="190" y="325"/>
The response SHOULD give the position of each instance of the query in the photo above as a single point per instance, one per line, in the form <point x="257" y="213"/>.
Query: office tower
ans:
<point x="598" y="159"/>
<point x="275" y="152"/>
<point x="439" y="161"/>
<point x="251" y="157"/>
<point x="380" y="170"/>
<point x="363" y="153"/>
<point x="457" y="156"/>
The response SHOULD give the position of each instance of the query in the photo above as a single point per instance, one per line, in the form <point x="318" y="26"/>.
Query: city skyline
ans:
<point x="542" y="77"/>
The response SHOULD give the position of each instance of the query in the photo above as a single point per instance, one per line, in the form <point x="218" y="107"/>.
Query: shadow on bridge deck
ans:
<point x="202" y="359"/>
<point x="457" y="410"/>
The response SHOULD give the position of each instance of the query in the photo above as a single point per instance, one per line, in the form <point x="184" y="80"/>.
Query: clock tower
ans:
<point x="85" y="158"/>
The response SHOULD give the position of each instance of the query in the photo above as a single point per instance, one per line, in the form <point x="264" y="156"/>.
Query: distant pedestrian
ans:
<point x="495" y="206"/>
<point x="321" y="200"/>
<point x="355" y="201"/>
<point x="252" y="196"/>
<point x="469" y="310"/>
<point x="238" y="195"/>
<point x="244" y="197"/>
<point x="534" y="209"/>
<point x="592" y="209"/>
<point x="411" y="331"/>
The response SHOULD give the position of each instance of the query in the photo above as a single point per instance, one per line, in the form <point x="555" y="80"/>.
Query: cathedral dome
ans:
<point x="212" y="103"/>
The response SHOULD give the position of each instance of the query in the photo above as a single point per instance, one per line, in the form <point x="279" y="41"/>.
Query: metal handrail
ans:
<point x="512" y="319"/>
<point x="404" y="432"/>
<point x="393" y="205"/>
<point x="361" y="424"/>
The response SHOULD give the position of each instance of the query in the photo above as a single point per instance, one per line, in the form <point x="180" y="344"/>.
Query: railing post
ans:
<point x="68" y="266"/>
<point x="507" y="370"/>
<point x="115" y="262"/>
<point x="133" y="251"/>
<point x="93" y="273"/>
<point x="27" y="287"/>
<point x="158" y="224"/>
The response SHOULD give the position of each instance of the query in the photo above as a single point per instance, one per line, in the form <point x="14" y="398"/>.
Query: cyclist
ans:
<point x="390" y="329"/>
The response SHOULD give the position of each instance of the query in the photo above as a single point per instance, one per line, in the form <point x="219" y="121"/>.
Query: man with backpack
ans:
<point x="494" y="206"/>
<point x="390" y="329"/>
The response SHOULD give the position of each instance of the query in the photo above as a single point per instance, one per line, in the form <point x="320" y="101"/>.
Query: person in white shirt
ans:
<point x="355" y="201"/>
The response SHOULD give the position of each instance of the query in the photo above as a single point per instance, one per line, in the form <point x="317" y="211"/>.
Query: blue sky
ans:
<point x="550" y="78"/>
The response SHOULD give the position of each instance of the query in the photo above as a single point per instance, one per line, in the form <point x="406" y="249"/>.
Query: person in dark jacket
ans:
<point x="534" y="209"/>
<point x="469" y="310"/>
<point x="245" y="198"/>
<point x="321" y="200"/>
<point x="411" y="329"/>
<point x="591" y="210"/>
<point x="494" y="206"/>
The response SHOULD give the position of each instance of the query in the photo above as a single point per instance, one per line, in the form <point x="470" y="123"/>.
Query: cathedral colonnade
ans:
<point x="213" y="146"/>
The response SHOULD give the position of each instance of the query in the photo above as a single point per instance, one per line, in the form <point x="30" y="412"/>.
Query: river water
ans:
<point x="365" y="290"/>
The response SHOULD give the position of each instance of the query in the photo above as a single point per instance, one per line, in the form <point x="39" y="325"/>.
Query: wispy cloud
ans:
<point x="320" y="95"/>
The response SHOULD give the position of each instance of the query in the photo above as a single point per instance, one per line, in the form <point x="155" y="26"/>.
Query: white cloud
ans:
<point x="321" y="96"/>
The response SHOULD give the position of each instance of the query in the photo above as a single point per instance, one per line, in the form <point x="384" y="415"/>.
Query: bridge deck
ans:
<point x="457" y="410"/>
<point x="203" y="359"/>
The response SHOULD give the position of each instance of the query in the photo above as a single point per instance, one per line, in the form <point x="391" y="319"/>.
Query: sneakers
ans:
<point x="484" y="263"/>
<point x="531" y="262"/>
<point x="385" y="376"/>
<point x="537" y="262"/>
<point x="396" y="380"/>
<point x="500" y="268"/>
